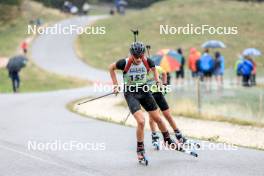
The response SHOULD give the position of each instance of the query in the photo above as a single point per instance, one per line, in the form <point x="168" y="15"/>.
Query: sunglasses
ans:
<point x="137" y="58"/>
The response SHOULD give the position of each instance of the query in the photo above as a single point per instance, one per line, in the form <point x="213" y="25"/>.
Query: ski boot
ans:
<point x="155" y="141"/>
<point x="187" y="142"/>
<point x="142" y="159"/>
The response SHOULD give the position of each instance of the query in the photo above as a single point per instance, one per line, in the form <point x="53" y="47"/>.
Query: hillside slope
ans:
<point x="100" y="50"/>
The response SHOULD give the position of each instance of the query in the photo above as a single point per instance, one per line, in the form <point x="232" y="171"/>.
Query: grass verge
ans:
<point x="214" y="139"/>
<point x="189" y="112"/>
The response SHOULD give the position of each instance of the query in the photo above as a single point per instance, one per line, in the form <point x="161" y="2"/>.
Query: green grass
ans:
<point x="33" y="78"/>
<point x="13" y="32"/>
<point x="101" y="50"/>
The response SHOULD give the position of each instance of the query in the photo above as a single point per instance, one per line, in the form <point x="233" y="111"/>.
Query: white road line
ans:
<point x="40" y="159"/>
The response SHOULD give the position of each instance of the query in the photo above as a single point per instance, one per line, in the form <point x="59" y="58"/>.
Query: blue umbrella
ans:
<point x="213" y="44"/>
<point x="251" y="52"/>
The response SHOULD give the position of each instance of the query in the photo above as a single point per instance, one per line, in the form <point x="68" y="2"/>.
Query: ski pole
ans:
<point x="148" y="49"/>
<point x="135" y="32"/>
<point x="102" y="96"/>
<point x="124" y="121"/>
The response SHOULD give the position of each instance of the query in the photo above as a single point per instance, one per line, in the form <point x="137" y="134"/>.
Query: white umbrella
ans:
<point x="213" y="44"/>
<point x="251" y="52"/>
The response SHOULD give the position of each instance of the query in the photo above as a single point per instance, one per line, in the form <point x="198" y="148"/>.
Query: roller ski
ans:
<point x="155" y="141"/>
<point x="192" y="144"/>
<point x="142" y="159"/>
<point x="192" y="153"/>
<point x="187" y="142"/>
<point x="180" y="147"/>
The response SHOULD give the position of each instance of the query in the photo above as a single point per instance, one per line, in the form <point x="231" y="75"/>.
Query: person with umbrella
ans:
<point x="246" y="68"/>
<point x="14" y="65"/>
<point x="169" y="60"/>
<point x="206" y="62"/>
<point x="250" y="53"/>
<point x="206" y="65"/>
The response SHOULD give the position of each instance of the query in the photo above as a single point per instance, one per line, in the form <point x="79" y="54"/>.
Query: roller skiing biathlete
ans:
<point x="158" y="94"/>
<point x="135" y="69"/>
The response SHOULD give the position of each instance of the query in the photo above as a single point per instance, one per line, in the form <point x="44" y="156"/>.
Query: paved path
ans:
<point x="56" y="53"/>
<point x="42" y="117"/>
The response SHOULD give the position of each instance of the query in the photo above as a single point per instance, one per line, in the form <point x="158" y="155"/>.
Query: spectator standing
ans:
<point x="24" y="47"/>
<point x="206" y="66"/>
<point x="193" y="58"/>
<point x="86" y="8"/>
<point x="219" y="68"/>
<point x="15" y="64"/>
<point x="246" y="68"/>
<point x="180" y="72"/>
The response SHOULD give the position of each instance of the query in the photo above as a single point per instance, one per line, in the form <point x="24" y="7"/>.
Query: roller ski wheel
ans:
<point x="192" y="153"/>
<point x="142" y="159"/>
<point x="156" y="146"/>
<point x="187" y="142"/>
<point x="192" y="144"/>
<point x="181" y="148"/>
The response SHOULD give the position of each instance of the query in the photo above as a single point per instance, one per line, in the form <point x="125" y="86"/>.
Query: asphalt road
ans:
<point x="43" y="118"/>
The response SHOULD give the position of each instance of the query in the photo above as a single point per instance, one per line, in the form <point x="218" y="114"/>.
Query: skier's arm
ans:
<point x="112" y="69"/>
<point x="164" y="78"/>
<point x="119" y="65"/>
<point x="156" y="74"/>
<point x="155" y="71"/>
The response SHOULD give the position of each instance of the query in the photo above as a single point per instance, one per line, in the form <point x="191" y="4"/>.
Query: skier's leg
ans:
<point x="149" y="104"/>
<point x="154" y="135"/>
<point x="140" y="125"/>
<point x="164" y="107"/>
<point x="135" y="109"/>
<point x="152" y="125"/>
<point x="166" y="136"/>
<point x="156" y="117"/>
